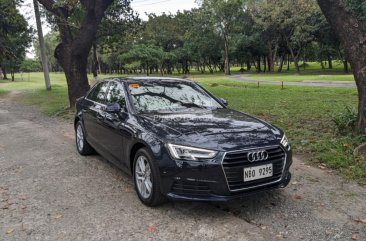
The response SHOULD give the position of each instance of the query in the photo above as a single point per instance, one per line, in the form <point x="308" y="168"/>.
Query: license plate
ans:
<point x="258" y="172"/>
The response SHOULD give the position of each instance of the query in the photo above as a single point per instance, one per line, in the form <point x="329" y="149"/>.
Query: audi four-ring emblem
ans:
<point x="256" y="156"/>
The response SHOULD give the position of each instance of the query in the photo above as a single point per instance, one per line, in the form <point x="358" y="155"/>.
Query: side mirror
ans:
<point x="224" y="102"/>
<point x="113" y="108"/>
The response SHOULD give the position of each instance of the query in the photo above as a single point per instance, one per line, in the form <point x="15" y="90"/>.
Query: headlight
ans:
<point x="190" y="153"/>
<point x="285" y="143"/>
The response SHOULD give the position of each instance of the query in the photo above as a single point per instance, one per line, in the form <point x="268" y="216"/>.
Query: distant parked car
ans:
<point x="179" y="141"/>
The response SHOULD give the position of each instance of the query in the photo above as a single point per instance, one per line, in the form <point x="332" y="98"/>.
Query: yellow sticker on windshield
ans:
<point x="134" y="86"/>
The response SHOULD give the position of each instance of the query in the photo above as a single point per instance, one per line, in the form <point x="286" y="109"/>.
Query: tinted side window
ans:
<point x="116" y="94"/>
<point x="98" y="94"/>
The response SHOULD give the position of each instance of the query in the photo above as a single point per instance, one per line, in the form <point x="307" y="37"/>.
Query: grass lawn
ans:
<point x="304" y="113"/>
<point x="306" y="76"/>
<point x="312" y="72"/>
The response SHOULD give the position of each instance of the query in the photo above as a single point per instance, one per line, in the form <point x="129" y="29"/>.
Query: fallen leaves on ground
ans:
<point x="5" y="206"/>
<point x="10" y="231"/>
<point x="58" y="216"/>
<point x="279" y="236"/>
<point x="152" y="229"/>
<point x="322" y="166"/>
<point x="354" y="236"/>
<point x="360" y="220"/>
<point x="298" y="197"/>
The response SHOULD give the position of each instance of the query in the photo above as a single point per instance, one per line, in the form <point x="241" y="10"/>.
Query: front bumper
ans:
<point x="224" y="198"/>
<point x="211" y="181"/>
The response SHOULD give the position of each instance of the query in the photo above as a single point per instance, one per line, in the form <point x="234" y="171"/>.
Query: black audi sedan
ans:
<point x="179" y="141"/>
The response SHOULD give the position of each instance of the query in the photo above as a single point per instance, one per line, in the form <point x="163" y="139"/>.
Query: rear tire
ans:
<point x="82" y="145"/>
<point x="146" y="178"/>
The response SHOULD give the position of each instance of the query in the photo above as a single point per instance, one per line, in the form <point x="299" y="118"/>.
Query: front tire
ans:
<point x="146" y="178"/>
<point x="82" y="145"/>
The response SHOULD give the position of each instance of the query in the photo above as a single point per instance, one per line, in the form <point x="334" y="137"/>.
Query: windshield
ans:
<point x="170" y="96"/>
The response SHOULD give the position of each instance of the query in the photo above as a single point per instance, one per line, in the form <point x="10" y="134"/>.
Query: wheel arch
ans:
<point x="76" y="120"/>
<point x="137" y="146"/>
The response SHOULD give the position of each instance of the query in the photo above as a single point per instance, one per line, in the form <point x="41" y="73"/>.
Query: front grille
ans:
<point x="190" y="187"/>
<point x="235" y="162"/>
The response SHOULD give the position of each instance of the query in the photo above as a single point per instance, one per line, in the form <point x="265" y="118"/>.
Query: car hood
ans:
<point x="221" y="129"/>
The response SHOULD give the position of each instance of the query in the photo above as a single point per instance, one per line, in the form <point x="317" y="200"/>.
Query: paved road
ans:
<point x="49" y="192"/>
<point x="308" y="83"/>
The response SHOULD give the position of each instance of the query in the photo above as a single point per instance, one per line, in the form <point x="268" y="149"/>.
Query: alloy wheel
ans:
<point x="143" y="177"/>
<point x="80" y="137"/>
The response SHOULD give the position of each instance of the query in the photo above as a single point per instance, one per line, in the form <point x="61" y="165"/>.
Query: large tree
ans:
<point x="224" y="16"/>
<point x="77" y="38"/>
<point x="350" y="31"/>
<point x="15" y="37"/>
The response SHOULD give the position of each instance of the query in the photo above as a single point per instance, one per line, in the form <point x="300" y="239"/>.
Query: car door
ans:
<point x="93" y="115"/>
<point x="114" y="122"/>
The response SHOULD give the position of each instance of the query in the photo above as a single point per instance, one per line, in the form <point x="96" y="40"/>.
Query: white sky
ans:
<point x="160" y="6"/>
<point x="140" y="6"/>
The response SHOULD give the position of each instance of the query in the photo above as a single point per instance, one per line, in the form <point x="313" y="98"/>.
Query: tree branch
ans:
<point x="49" y="6"/>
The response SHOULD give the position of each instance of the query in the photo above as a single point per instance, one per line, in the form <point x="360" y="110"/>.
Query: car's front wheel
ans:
<point x="146" y="178"/>
<point x="82" y="145"/>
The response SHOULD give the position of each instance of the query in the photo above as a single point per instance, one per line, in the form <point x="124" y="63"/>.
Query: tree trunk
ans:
<point x="345" y="66"/>
<point x="322" y="64"/>
<point x="264" y="64"/>
<point x="259" y="64"/>
<point x="288" y="62"/>
<point x="95" y="64"/>
<point x="249" y="66"/>
<point x="75" y="72"/>
<point x="295" y="57"/>
<point x="297" y="67"/>
<point x="281" y="64"/>
<point x="4" y="73"/>
<point x="351" y="35"/>
<point x="226" y="57"/>
<point x="12" y="75"/>
<point x="272" y="55"/>
<point x="330" y="62"/>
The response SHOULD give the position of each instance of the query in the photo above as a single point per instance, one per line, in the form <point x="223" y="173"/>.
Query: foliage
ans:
<point x="30" y="65"/>
<point x="51" y="40"/>
<point x="345" y="121"/>
<point x="224" y="17"/>
<point x="256" y="33"/>
<point x="337" y="153"/>
<point x="145" y="55"/>
<point x="359" y="8"/>
<point x="15" y="36"/>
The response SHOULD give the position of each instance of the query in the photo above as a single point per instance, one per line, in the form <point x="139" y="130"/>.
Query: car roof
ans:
<point x="146" y="79"/>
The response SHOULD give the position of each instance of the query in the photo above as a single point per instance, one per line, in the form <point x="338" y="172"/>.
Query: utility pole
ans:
<point x="42" y="46"/>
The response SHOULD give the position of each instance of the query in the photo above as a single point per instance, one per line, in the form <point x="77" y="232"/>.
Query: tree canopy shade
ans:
<point x="15" y="37"/>
<point x="349" y="28"/>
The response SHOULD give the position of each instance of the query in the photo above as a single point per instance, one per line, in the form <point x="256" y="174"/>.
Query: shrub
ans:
<point x="345" y="121"/>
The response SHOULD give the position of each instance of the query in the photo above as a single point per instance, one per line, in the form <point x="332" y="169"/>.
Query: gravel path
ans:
<point x="307" y="83"/>
<point x="49" y="192"/>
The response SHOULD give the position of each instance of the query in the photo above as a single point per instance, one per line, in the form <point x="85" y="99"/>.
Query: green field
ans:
<point x="312" y="72"/>
<point x="305" y="113"/>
